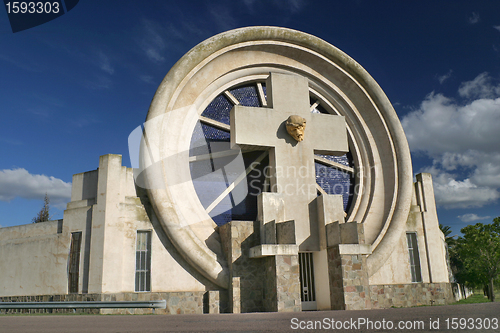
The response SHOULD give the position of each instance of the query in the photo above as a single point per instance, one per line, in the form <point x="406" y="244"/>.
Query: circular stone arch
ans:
<point x="377" y="142"/>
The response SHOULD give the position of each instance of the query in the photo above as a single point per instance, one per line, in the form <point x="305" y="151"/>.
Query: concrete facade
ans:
<point x="256" y="269"/>
<point x="360" y="257"/>
<point x="108" y="211"/>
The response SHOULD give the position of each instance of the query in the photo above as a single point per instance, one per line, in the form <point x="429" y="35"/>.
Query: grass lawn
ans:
<point x="478" y="297"/>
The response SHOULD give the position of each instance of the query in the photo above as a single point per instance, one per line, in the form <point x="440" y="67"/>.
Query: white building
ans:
<point x="228" y="212"/>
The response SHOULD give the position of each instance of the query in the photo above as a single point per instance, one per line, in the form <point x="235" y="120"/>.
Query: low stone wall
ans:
<point x="51" y="298"/>
<point x="407" y="295"/>
<point x="189" y="302"/>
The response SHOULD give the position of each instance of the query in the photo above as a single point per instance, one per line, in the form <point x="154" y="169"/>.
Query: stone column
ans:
<point x="282" y="284"/>
<point x="246" y="275"/>
<point x="434" y="240"/>
<point x="212" y="301"/>
<point x="280" y="263"/>
<point x="347" y="253"/>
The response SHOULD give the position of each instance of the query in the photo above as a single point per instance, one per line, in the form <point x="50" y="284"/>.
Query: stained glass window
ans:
<point x="228" y="195"/>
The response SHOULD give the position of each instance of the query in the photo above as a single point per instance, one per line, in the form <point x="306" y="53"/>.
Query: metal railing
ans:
<point x="161" y="304"/>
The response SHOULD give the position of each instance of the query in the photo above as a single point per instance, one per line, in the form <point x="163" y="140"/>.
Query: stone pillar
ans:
<point x="434" y="239"/>
<point x="106" y="244"/>
<point x="213" y="301"/>
<point x="347" y="253"/>
<point x="282" y="284"/>
<point x="246" y="275"/>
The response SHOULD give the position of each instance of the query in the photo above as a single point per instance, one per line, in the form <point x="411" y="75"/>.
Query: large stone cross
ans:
<point x="291" y="162"/>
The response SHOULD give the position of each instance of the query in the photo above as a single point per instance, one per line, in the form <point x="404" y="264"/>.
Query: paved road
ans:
<point x="413" y="319"/>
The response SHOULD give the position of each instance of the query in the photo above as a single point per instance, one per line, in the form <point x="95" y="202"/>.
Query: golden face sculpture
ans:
<point x="295" y="126"/>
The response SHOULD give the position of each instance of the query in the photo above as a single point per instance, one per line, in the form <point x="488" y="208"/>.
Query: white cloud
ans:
<point x="444" y="77"/>
<point x="441" y="126"/>
<point x="99" y="83"/>
<point x="147" y="79"/>
<point x="296" y="5"/>
<point x="474" y="18"/>
<point x="156" y="39"/>
<point x="222" y="16"/>
<point x="10" y="141"/>
<point x="105" y="64"/>
<point x="462" y="139"/>
<point x="452" y="193"/>
<point x="497" y="27"/>
<point x="154" y="54"/>
<point x="249" y="3"/>
<point x="286" y="6"/>
<point x="480" y="87"/>
<point x="472" y="217"/>
<point x="26" y="64"/>
<point x="20" y="183"/>
<point x="152" y="41"/>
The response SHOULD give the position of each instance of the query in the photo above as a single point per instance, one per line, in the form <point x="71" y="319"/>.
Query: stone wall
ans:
<point x="348" y="281"/>
<point x="177" y="302"/>
<point x="407" y="295"/>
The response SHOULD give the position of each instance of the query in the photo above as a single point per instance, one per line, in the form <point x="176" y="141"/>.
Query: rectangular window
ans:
<point x="74" y="261"/>
<point x="143" y="261"/>
<point x="411" y="239"/>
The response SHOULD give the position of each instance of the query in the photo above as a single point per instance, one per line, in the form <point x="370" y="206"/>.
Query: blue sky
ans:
<point x="74" y="88"/>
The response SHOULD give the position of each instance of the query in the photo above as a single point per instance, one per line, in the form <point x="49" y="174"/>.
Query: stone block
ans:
<point x="330" y="210"/>
<point x="267" y="250"/>
<point x="332" y="231"/>
<point x="270" y="207"/>
<point x="269" y="232"/>
<point x="352" y="233"/>
<point x="285" y="232"/>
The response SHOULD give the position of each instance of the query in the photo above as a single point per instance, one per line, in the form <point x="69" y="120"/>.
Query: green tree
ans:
<point x="43" y="214"/>
<point x="446" y="230"/>
<point x="478" y="252"/>
<point x="452" y="259"/>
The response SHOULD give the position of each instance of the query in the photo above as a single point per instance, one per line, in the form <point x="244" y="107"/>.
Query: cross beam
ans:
<point x="291" y="163"/>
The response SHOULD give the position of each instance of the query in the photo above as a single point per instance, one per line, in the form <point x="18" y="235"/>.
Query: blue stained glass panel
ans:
<point x="345" y="159"/>
<point x="219" y="109"/>
<point x="215" y="134"/>
<point x="203" y="137"/>
<point x="247" y="95"/>
<point x="334" y="181"/>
